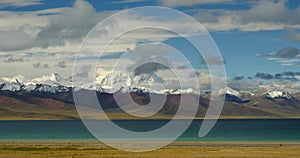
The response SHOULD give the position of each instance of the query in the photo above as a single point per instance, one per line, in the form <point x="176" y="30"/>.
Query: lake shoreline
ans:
<point x="175" y="143"/>
<point x="95" y="149"/>
<point x="196" y="118"/>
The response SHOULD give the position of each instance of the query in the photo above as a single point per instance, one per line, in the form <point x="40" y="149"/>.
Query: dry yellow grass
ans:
<point x="185" y="150"/>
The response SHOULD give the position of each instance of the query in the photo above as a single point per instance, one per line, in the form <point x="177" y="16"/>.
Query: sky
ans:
<point x="258" y="40"/>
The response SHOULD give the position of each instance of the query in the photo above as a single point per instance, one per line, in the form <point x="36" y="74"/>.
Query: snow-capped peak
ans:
<point x="18" y="78"/>
<point x="126" y="79"/>
<point x="116" y="78"/>
<point x="116" y="81"/>
<point x="278" y="94"/>
<point x="55" y="77"/>
<point x="52" y="79"/>
<point x="11" y="86"/>
<point x="228" y="90"/>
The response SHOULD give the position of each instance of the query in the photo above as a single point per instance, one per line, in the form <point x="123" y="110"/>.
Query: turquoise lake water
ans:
<point x="245" y="130"/>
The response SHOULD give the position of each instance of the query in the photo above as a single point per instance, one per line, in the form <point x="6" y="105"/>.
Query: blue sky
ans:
<point x="241" y="29"/>
<point x="239" y="49"/>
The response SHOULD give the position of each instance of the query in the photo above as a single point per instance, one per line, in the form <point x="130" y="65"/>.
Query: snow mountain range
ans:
<point x="51" y="96"/>
<point x="115" y="82"/>
<point x="111" y="83"/>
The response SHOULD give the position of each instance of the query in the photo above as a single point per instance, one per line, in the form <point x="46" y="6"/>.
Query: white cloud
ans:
<point x="292" y="35"/>
<point x="212" y="60"/>
<point x="19" y="39"/>
<point x="19" y="3"/>
<point x="288" y="56"/>
<point x="73" y="24"/>
<point x="263" y="15"/>
<point x="205" y="16"/>
<point x="46" y="66"/>
<point x="289" y="86"/>
<point x="66" y="25"/>
<point x="287" y="64"/>
<point x="126" y="1"/>
<point x="12" y="20"/>
<point x="271" y="12"/>
<point x="245" y="85"/>
<point x="180" y="3"/>
<point x="61" y="30"/>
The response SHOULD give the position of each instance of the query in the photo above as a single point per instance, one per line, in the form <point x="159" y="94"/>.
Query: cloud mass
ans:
<point x="287" y="56"/>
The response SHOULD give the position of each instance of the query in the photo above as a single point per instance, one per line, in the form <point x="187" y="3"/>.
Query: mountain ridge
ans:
<point x="56" y="101"/>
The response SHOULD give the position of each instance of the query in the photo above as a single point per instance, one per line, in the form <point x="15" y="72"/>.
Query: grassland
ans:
<point x="179" y="150"/>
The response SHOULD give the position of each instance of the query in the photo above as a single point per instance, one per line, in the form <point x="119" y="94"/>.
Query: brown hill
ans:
<point x="28" y="105"/>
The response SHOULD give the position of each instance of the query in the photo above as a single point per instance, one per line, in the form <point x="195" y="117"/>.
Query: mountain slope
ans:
<point x="49" y="97"/>
<point x="26" y="105"/>
<point x="17" y="109"/>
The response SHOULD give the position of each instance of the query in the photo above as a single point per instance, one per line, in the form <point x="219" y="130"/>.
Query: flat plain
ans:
<point x="51" y="149"/>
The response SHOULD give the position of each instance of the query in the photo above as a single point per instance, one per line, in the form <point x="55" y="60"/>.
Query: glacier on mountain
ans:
<point x="111" y="83"/>
<point x="278" y="94"/>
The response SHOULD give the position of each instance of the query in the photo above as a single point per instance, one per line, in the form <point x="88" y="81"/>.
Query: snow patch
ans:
<point x="278" y="94"/>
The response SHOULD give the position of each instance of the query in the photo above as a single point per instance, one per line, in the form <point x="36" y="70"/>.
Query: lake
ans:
<point x="227" y="130"/>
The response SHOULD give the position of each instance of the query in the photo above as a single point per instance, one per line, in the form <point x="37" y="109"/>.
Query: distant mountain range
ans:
<point x="51" y="97"/>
